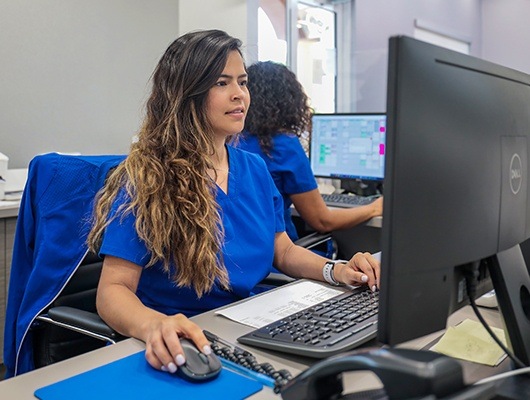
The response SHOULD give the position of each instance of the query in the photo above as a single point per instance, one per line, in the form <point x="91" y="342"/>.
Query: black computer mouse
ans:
<point x="198" y="367"/>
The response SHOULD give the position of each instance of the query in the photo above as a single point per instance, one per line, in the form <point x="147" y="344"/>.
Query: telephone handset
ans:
<point x="405" y="374"/>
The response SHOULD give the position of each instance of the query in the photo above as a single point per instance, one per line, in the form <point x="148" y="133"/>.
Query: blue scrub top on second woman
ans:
<point x="252" y="214"/>
<point x="289" y="166"/>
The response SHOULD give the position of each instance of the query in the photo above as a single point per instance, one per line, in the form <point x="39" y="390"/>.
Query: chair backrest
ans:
<point x="53" y="343"/>
<point x="49" y="263"/>
<point x="323" y="244"/>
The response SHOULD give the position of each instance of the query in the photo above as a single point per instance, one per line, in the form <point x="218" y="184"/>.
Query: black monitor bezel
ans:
<point x="407" y="312"/>
<point x="370" y="179"/>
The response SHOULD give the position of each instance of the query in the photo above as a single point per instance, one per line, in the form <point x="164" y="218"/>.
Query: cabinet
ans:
<point x="7" y="236"/>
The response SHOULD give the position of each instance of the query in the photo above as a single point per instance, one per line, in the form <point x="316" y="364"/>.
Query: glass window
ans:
<point x="316" y="55"/>
<point x="311" y="46"/>
<point x="272" y="38"/>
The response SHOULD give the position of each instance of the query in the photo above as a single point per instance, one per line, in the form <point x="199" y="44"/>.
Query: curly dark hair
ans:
<point x="279" y="103"/>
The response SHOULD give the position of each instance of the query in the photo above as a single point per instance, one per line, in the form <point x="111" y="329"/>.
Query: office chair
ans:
<point x="51" y="271"/>
<point x="71" y="325"/>
<point x="322" y="243"/>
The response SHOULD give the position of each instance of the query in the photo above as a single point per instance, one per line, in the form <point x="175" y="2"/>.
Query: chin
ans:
<point x="238" y="129"/>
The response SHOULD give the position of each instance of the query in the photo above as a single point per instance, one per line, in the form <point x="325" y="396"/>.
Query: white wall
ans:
<point x="497" y="29"/>
<point x="75" y="73"/>
<point x="376" y="20"/>
<point x="236" y="17"/>
<point x="506" y="33"/>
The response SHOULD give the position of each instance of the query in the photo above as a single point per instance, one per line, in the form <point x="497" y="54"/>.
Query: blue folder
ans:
<point x="133" y="378"/>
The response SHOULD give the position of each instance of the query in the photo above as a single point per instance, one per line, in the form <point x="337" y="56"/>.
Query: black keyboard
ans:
<point x="347" y="200"/>
<point x="325" y="329"/>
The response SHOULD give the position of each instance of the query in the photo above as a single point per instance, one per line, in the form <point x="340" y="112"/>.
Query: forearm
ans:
<point x="299" y="262"/>
<point x="313" y="211"/>
<point x="120" y="307"/>
<point x="124" y="312"/>
<point x="345" y="218"/>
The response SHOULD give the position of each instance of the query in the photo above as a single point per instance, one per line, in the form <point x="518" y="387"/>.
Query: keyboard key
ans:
<point x="346" y="200"/>
<point x="333" y="326"/>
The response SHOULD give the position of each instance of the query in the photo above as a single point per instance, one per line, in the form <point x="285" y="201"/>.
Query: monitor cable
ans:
<point x="504" y="375"/>
<point x="471" y="274"/>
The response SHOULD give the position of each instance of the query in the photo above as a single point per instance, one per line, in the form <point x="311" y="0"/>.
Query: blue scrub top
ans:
<point x="289" y="167"/>
<point x="252" y="214"/>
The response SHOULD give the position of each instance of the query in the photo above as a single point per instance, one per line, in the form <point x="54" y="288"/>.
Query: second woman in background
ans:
<point x="279" y="115"/>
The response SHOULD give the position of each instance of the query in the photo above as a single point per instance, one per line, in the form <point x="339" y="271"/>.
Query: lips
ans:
<point x="236" y="111"/>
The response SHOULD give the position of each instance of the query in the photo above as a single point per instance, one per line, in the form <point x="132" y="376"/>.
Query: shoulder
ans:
<point x="287" y="148"/>
<point x="286" y="143"/>
<point x="248" y="142"/>
<point x="245" y="158"/>
<point x="249" y="168"/>
<point x="286" y="137"/>
<point x="246" y="137"/>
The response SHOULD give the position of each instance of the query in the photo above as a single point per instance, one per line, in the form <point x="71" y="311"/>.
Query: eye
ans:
<point x="243" y="83"/>
<point x="220" y="83"/>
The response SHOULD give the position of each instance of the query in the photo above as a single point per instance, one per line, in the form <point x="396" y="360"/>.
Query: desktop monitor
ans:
<point x="456" y="191"/>
<point x="348" y="146"/>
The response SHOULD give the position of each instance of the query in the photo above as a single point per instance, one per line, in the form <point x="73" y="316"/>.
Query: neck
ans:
<point x="220" y="158"/>
<point x="219" y="172"/>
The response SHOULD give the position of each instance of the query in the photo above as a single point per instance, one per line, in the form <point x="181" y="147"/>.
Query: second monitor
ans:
<point x="348" y="146"/>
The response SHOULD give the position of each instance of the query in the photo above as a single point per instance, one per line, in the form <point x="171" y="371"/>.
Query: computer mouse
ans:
<point x="198" y="367"/>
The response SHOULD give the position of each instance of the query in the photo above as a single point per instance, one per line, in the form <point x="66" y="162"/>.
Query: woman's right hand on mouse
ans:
<point x="162" y="346"/>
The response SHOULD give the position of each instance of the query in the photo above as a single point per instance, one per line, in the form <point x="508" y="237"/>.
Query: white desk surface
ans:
<point x="23" y="386"/>
<point x="376" y="222"/>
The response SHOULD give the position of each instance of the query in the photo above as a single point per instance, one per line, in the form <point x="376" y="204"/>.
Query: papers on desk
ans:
<point x="470" y="341"/>
<point x="269" y="307"/>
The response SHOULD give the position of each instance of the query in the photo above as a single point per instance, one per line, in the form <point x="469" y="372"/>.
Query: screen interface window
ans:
<point x="348" y="146"/>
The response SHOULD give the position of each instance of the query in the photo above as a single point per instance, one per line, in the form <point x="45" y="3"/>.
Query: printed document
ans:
<point x="277" y="304"/>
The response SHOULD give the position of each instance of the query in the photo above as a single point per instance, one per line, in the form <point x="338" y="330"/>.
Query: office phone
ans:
<point x="405" y="374"/>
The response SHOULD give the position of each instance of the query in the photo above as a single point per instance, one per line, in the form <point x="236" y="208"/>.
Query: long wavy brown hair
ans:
<point x="165" y="174"/>
<point x="279" y="103"/>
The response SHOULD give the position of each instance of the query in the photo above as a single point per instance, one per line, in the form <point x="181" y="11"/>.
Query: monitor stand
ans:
<point x="511" y="281"/>
<point x="361" y="187"/>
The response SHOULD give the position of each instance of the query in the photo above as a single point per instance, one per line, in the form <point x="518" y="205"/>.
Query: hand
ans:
<point x="362" y="268"/>
<point x="162" y="346"/>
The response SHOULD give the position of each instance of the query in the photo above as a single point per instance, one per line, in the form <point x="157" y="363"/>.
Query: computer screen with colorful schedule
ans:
<point x="348" y="146"/>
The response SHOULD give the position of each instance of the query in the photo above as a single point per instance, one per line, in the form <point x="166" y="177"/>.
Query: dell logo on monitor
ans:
<point x="516" y="173"/>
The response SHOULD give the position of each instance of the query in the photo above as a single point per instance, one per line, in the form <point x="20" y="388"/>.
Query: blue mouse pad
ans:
<point x="133" y="378"/>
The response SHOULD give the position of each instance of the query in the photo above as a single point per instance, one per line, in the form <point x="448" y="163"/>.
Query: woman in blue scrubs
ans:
<point x="279" y="115"/>
<point x="187" y="223"/>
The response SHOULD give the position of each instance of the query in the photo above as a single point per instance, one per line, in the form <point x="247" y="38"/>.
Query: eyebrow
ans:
<point x="231" y="77"/>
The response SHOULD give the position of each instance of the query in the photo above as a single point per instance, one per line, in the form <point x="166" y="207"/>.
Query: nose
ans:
<point x="239" y="92"/>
